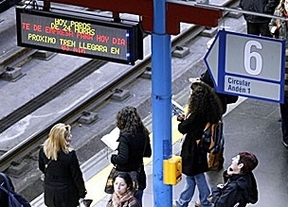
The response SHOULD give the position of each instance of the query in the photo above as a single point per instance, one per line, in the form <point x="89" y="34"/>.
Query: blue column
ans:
<point x="161" y="104"/>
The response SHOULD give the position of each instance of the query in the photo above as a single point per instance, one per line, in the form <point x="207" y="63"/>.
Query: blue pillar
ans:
<point x="161" y="103"/>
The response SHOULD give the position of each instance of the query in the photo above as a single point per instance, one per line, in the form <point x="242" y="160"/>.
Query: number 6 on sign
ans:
<point x="250" y="56"/>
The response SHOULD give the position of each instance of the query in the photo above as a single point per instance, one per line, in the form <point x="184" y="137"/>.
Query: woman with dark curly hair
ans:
<point x="134" y="144"/>
<point x="204" y="106"/>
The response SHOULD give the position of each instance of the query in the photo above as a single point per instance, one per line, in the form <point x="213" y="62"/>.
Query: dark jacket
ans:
<point x="3" y="195"/>
<point x="131" y="150"/>
<point x="259" y="6"/>
<point x="281" y="34"/>
<point x="63" y="184"/>
<point x="194" y="159"/>
<point x="238" y="188"/>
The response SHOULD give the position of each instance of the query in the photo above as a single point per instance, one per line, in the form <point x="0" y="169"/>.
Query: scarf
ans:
<point x="119" y="200"/>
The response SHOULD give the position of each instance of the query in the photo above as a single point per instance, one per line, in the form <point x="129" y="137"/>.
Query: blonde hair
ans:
<point x="57" y="141"/>
<point x="280" y="6"/>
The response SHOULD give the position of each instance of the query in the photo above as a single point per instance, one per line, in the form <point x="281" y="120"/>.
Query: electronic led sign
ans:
<point x="79" y="36"/>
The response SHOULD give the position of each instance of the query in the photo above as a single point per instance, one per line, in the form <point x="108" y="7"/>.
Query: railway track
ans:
<point x="73" y="114"/>
<point x="17" y="155"/>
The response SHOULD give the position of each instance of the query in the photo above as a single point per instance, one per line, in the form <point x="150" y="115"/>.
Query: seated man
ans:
<point x="240" y="185"/>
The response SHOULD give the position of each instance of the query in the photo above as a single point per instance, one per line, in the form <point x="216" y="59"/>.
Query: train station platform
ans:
<point x="250" y="125"/>
<point x="254" y="126"/>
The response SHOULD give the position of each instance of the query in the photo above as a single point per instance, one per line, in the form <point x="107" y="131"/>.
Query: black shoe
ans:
<point x="285" y="142"/>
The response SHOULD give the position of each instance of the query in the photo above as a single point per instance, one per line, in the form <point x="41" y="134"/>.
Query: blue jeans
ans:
<point x="284" y="119"/>
<point x="139" y="196"/>
<point x="189" y="188"/>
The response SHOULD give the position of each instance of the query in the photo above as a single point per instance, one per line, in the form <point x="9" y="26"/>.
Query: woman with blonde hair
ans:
<point x="63" y="183"/>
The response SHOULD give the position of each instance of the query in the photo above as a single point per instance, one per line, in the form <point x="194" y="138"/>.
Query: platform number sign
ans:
<point x="247" y="65"/>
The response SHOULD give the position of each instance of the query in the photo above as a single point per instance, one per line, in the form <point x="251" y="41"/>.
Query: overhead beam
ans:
<point x="189" y="14"/>
<point x="176" y="12"/>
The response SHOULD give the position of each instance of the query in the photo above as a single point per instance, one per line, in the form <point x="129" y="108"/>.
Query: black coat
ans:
<point x="260" y="6"/>
<point x="3" y="195"/>
<point x="131" y="150"/>
<point x="239" y="188"/>
<point x="63" y="184"/>
<point x="194" y="159"/>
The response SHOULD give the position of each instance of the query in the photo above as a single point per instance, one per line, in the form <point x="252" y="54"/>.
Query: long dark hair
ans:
<point x="129" y="121"/>
<point x="204" y="102"/>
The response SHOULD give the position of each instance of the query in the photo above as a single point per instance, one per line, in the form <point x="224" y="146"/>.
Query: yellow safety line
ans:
<point x="95" y="185"/>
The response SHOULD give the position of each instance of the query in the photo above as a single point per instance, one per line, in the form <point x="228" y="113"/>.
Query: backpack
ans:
<point x="212" y="139"/>
<point x="14" y="199"/>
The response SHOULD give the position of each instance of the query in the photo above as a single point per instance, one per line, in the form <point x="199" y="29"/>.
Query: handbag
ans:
<point x="109" y="188"/>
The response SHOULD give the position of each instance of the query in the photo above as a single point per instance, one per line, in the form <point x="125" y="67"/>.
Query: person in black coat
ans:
<point x="240" y="185"/>
<point x="258" y="25"/>
<point x="204" y="106"/>
<point x="134" y="144"/>
<point x="216" y="160"/>
<point x="63" y="183"/>
<point x="3" y="195"/>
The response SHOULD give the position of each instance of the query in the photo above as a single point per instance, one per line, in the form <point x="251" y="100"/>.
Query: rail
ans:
<point x="22" y="149"/>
